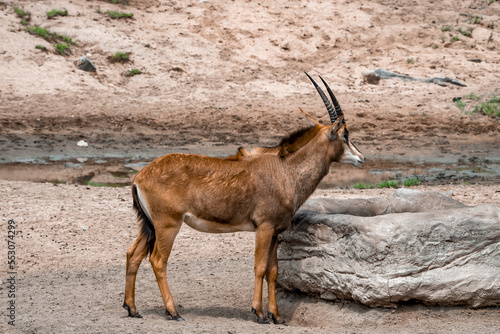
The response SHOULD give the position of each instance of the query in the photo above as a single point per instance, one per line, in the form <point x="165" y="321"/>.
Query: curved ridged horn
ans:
<point x="329" y="107"/>
<point x="336" y="104"/>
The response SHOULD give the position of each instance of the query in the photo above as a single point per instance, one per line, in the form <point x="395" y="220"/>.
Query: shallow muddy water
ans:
<point x="113" y="171"/>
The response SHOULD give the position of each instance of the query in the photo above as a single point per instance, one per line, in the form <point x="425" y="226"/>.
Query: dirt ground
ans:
<point x="217" y="75"/>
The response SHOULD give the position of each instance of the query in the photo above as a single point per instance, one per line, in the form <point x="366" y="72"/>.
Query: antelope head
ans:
<point x="341" y="148"/>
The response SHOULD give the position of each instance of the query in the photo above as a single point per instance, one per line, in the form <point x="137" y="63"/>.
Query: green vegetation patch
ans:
<point x="108" y="184"/>
<point x="490" y="107"/>
<point x="42" y="32"/>
<point x="132" y="72"/>
<point x="362" y="185"/>
<point x="476" y="20"/>
<point x="41" y="47"/>
<point x="49" y="35"/>
<point x="62" y="49"/>
<point x="120" y="57"/>
<point x="446" y="28"/>
<point x="465" y="31"/>
<point x="21" y="12"/>
<point x="54" y="38"/>
<point x="387" y="184"/>
<point x="119" y="15"/>
<point x="411" y="182"/>
<point x="460" y="104"/>
<point x="476" y="104"/>
<point x="54" y="12"/>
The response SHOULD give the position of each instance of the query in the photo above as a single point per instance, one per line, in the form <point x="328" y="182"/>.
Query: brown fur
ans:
<point x="256" y="191"/>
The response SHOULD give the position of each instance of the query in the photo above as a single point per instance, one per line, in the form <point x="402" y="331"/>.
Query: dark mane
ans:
<point x="295" y="136"/>
<point x="288" y="144"/>
<point x="296" y="140"/>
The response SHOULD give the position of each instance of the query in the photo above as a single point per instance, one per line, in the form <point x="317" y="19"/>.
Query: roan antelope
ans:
<point x="258" y="190"/>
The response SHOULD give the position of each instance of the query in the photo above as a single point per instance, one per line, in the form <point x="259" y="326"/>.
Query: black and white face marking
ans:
<point x="351" y="154"/>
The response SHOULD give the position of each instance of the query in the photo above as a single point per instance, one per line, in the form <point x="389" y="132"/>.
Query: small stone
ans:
<point x="82" y="143"/>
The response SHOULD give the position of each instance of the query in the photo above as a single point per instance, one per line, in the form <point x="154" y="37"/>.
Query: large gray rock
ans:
<point x="380" y="251"/>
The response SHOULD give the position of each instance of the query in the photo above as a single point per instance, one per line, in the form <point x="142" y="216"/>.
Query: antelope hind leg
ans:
<point x="135" y="254"/>
<point x="271" y="276"/>
<point x="159" y="257"/>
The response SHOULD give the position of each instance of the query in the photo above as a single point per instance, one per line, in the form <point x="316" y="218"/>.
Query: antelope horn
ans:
<point x="336" y="104"/>
<point x="329" y="107"/>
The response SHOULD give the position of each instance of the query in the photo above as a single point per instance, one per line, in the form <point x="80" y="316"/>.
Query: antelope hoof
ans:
<point x="176" y="317"/>
<point x="260" y="318"/>
<point x="276" y="321"/>
<point x="130" y="313"/>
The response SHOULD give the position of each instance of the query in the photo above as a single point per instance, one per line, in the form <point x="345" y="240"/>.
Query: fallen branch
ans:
<point x="375" y="76"/>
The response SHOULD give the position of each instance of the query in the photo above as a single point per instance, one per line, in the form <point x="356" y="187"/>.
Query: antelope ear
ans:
<point x="335" y="127"/>
<point x="309" y="119"/>
<point x="242" y="152"/>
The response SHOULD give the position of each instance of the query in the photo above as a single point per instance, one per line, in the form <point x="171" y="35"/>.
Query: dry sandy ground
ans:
<point x="71" y="254"/>
<point x="217" y="75"/>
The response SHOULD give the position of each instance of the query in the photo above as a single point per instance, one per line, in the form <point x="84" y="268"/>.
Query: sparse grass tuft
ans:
<point x="466" y="32"/>
<point x="410" y="61"/>
<point x="21" y="12"/>
<point x="491" y="107"/>
<point x="132" y="72"/>
<point x="385" y="184"/>
<point x="476" y="20"/>
<point x="42" y="32"/>
<point x="486" y="104"/>
<point x="388" y="184"/>
<point x="411" y="182"/>
<point x="112" y="184"/>
<point x="446" y="28"/>
<point x="460" y="104"/>
<point x="66" y="39"/>
<point x="454" y="38"/>
<point x="54" y="12"/>
<point x="62" y="49"/>
<point x="472" y="96"/>
<point x="41" y="47"/>
<point x="121" y="57"/>
<point x="119" y="15"/>
<point x="362" y="185"/>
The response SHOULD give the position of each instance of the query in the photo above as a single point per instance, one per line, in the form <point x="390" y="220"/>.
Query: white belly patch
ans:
<point x="209" y="226"/>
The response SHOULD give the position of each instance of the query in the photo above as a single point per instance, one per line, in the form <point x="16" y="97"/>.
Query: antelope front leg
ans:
<point x="271" y="276"/>
<point x="263" y="240"/>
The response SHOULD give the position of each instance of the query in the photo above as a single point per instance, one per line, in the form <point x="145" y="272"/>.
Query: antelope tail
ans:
<point x="146" y="228"/>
